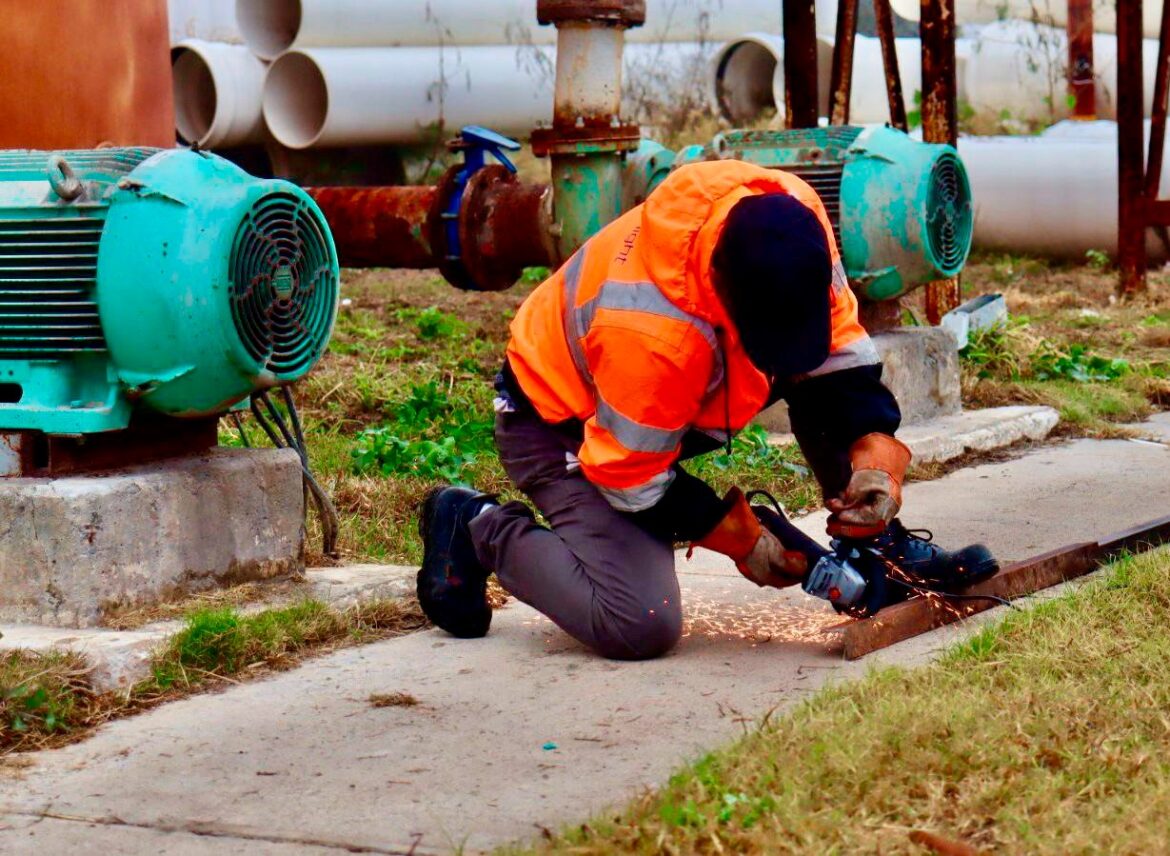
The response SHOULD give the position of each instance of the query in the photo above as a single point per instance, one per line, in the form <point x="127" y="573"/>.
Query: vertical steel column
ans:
<point x="841" y="76"/>
<point x="1131" y="238"/>
<point x="1081" y="85"/>
<point x="587" y="141"/>
<point x="801" y="97"/>
<point x="940" y="119"/>
<point x="884" y="20"/>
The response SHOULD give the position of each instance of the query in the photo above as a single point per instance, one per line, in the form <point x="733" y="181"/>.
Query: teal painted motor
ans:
<point x="153" y="280"/>
<point x="901" y="208"/>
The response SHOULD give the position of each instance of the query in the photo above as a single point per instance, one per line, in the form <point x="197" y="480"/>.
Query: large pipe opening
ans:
<point x="296" y="101"/>
<point x="195" y="96"/>
<point x="269" y="27"/>
<point x="747" y="72"/>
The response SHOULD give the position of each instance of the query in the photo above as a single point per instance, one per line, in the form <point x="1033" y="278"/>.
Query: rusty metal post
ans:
<point x="884" y="19"/>
<point x="588" y="140"/>
<point x="1158" y="113"/>
<point x="940" y="115"/>
<point x="1081" y="85"/>
<point x="841" y="76"/>
<point x="1131" y="213"/>
<point x="801" y="97"/>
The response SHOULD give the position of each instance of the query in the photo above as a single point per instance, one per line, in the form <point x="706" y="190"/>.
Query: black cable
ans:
<point x="240" y="427"/>
<point x="294" y="417"/>
<point x="283" y="438"/>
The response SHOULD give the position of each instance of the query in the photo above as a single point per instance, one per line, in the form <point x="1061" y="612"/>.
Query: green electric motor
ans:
<point x="901" y="208"/>
<point x="161" y="280"/>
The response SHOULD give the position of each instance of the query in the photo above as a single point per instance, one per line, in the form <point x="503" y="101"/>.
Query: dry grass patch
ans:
<point x="1047" y="733"/>
<point x="394" y="699"/>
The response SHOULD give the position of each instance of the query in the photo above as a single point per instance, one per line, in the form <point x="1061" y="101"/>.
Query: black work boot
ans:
<point x="452" y="584"/>
<point x="926" y="564"/>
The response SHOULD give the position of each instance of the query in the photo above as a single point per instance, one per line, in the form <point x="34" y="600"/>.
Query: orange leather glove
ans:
<point x="873" y="496"/>
<point x="758" y="554"/>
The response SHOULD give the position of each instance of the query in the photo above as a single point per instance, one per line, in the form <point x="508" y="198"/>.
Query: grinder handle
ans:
<point x="789" y="536"/>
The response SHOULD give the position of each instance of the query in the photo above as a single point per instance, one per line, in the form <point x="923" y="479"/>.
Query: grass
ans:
<point x="1070" y="344"/>
<point x="46" y="700"/>
<point x="1046" y="733"/>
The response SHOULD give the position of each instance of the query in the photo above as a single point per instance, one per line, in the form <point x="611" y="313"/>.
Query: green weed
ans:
<point x="1075" y="363"/>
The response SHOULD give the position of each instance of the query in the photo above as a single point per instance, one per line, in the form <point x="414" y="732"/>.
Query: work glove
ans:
<point x="758" y="554"/>
<point x="874" y="493"/>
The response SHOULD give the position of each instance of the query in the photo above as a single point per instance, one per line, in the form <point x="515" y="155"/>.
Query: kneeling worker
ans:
<point x="669" y="331"/>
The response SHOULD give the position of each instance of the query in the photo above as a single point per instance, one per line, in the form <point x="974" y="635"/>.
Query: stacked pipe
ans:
<point x="322" y="73"/>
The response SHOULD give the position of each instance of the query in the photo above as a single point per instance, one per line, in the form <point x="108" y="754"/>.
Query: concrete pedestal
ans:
<point x="71" y="548"/>
<point x="921" y="369"/>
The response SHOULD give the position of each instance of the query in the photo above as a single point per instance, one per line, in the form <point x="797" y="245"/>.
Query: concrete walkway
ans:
<point x="523" y="729"/>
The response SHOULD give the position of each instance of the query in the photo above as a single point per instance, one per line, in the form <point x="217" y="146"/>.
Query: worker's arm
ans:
<point x="845" y="418"/>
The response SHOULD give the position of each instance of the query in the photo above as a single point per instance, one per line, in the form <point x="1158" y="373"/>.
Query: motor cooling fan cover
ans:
<point x="212" y="284"/>
<point x="283" y="284"/>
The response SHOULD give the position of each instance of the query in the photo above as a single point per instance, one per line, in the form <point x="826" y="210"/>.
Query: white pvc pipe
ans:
<point x="211" y="20"/>
<point x="747" y="76"/>
<point x="352" y="96"/>
<point x="271" y="27"/>
<point x="218" y="89"/>
<point x="1052" y="195"/>
<point x="1052" y="12"/>
<point x="1021" y="68"/>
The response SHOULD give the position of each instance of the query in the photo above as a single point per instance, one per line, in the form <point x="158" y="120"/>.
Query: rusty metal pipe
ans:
<point x="587" y="140"/>
<point x="841" y="75"/>
<point x="503" y="228"/>
<point x="379" y="226"/>
<point x="801" y="95"/>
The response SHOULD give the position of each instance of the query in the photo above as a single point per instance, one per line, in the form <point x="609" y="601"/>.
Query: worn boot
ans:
<point x="927" y="565"/>
<point x="452" y="584"/>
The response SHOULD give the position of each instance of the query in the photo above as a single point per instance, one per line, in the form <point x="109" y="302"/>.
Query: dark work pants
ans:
<point x="599" y="575"/>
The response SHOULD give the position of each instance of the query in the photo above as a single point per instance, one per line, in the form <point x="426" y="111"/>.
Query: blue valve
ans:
<point x="476" y="143"/>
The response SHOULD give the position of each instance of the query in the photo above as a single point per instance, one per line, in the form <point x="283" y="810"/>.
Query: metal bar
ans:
<point x="1158" y="110"/>
<point x="940" y="118"/>
<point x="1081" y="84"/>
<point x="1131" y="238"/>
<point x="841" y="75"/>
<point x="918" y="616"/>
<point x="885" y="33"/>
<point x="1154" y="212"/>
<point x="800" y="64"/>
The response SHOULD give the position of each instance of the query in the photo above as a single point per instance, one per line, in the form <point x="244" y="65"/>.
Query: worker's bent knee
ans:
<point x="645" y="639"/>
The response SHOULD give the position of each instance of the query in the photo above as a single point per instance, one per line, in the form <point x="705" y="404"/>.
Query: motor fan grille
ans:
<point x="949" y="220"/>
<point x="283" y="284"/>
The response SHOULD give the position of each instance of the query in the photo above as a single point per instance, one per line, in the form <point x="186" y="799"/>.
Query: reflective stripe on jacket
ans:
<point x="630" y="337"/>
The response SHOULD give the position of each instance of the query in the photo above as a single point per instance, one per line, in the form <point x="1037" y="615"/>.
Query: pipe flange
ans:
<point x="614" y="13"/>
<point x="589" y="138"/>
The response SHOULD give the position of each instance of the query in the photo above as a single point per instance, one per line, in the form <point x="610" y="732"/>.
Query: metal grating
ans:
<point x="48" y="272"/>
<point x="826" y="181"/>
<point x="283" y="285"/>
<point x="948" y="214"/>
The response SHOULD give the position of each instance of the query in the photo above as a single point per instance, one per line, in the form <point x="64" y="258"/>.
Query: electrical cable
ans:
<point x="239" y="422"/>
<point x="282" y="438"/>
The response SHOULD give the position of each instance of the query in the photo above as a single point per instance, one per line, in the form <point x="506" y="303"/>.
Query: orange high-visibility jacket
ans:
<point x="631" y="338"/>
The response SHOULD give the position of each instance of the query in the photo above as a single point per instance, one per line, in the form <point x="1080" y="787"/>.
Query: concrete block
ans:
<point x="948" y="437"/>
<point x="351" y="584"/>
<point x="71" y="548"/>
<point x="921" y="369"/>
<point x="118" y="659"/>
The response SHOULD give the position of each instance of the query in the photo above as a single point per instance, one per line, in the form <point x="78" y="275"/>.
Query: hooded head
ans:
<point x="773" y="269"/>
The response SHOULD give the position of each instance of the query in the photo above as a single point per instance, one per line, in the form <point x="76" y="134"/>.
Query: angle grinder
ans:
<point x="852" y="577"/>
